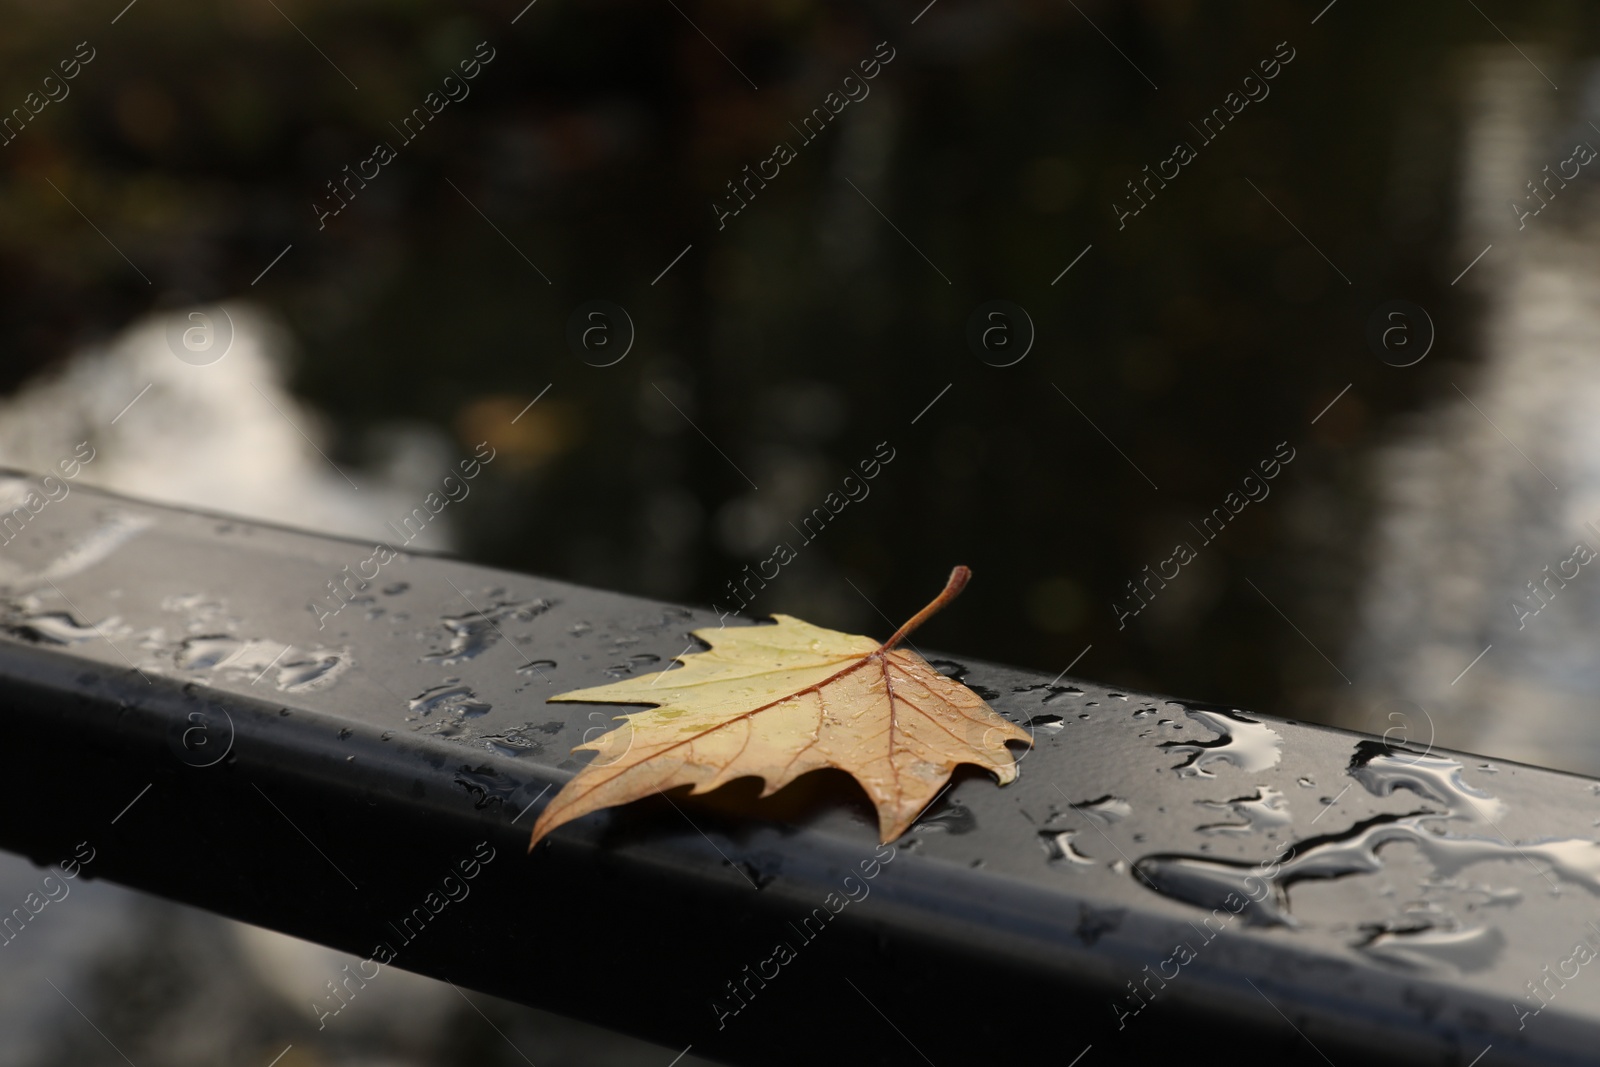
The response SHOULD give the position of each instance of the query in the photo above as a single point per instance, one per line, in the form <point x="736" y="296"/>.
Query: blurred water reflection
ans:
<point x="1484" y="531"/>
<point x="223" y="436"/>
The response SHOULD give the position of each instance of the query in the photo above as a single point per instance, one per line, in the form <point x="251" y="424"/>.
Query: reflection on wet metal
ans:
<point x="1458" y="828"/>
<point x="1268" y="809"/>
<point x="296" y="668"/>
<point x="475" y="633"/>
<point x="1471" y="949"/>
<point x="1242" y="742"/>
<point x="456" y="698"/>
<point x="1058" y="847"/>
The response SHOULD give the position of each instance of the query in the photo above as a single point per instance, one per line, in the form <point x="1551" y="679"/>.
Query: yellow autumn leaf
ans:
<point x="777" y="701"/>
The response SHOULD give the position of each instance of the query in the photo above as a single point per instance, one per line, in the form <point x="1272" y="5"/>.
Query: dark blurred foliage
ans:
<point x="808" y="329"/>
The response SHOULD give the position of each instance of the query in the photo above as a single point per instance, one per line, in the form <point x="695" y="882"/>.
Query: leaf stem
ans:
<point x="952" y="589"/>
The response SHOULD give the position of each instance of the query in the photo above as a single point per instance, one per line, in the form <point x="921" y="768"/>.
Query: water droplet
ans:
<point x="475" y="633"/>
<point x="306" y="673"/>
<point x="53" y="627"/>
<point x="1095" y="923"/>
<point x="450" y="698"/>
<point x="757" y="877"/>
<point x="1249" y="745"/>
<point x="204" y="653"/>
<point x="1267" y="809"/>
<point x="486" y="785"/>
<point x="254" y="658"/>
<point x="1426" y="949"/>
<point x="1058" y="848"/>
<point x="1384" y="769"/>
<point x="1048" y="723"/>
<point x="1105" y="810"/>
<point x="537" y="666"/>
<point x="954" y="819"/>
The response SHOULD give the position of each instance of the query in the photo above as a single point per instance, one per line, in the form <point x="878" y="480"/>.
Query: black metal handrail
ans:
<point x="1163" y="878"/>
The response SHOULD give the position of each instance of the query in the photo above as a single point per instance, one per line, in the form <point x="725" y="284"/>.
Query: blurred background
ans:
<point x="1378" y="257"/>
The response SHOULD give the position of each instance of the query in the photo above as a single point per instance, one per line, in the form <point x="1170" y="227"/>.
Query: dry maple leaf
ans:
<point x="778" y="701"/>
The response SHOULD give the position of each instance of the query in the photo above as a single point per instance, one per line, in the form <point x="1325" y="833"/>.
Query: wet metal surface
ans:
<point x="1161" y="873"/>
